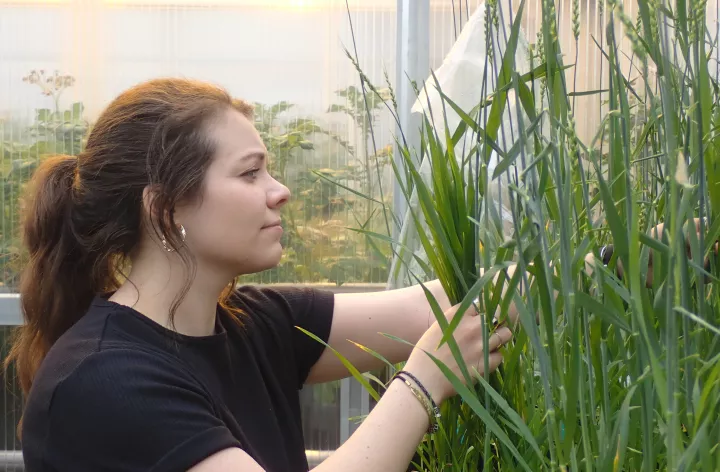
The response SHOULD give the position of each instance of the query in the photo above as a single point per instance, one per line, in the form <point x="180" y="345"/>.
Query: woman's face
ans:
<point x="235" y="226"/>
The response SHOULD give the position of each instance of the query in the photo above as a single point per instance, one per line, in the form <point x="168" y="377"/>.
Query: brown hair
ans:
<point x="83" y="215"/>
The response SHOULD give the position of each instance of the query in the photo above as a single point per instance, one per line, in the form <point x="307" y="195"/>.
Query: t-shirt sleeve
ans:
<point x="293" y="307"/>
<point x="311" y="310"/>
<point x="142" y="412"/>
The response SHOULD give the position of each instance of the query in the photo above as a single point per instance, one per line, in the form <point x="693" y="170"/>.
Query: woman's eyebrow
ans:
<point x="260" y="155"/>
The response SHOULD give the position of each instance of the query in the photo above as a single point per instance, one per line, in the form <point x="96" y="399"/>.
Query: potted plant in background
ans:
<point x="55" y="130"/>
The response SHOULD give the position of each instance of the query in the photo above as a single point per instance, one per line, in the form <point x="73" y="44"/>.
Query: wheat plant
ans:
<point x="606" y="372"/>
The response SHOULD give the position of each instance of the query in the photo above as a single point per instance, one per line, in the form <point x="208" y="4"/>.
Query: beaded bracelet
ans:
<point x="426" y="399"/>
<point x="433" y="427"/>
<point x="435" y="408"/>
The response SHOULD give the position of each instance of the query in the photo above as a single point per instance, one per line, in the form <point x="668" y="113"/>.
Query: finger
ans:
<point x="657" y="231"/>
<point x="494" y="360"/>
<point x="514" y="316"/>
<point x="700" y="222"/>
<point x="475" y="307"/>
<point x="510" y="319"/>
<point x="619" y="268"/>
<point x="498" y="338"/>
<point x="453" y="312"/>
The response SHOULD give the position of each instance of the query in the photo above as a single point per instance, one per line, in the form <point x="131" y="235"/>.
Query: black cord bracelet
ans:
<point x="435" y="408"/>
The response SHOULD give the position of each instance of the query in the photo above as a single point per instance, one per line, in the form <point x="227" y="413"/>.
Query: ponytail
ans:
<point x="57" y="284"/>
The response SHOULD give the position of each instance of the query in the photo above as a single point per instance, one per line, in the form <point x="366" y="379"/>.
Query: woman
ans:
<point x="138" y="353"/>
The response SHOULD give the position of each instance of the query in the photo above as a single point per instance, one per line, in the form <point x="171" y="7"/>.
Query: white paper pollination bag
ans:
<point x="460" y="77"/>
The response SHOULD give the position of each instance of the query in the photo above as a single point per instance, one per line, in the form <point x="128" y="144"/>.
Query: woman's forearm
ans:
<point x="387" y="438"/>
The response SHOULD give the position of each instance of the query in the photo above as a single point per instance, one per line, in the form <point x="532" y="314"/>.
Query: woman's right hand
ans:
<point x="469" y="337"/>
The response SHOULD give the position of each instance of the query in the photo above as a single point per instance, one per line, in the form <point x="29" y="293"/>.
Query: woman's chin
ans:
<point x="271" y="260"/>
<point x="268" y="259"/>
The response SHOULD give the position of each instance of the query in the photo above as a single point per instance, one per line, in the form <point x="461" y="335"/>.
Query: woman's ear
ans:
<point x="149" y="203"/>
<point x="148" y="197"/>
<point x="152" y="210"/>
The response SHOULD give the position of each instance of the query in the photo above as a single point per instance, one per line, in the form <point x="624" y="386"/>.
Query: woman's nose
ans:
<point x="278" y="195"/>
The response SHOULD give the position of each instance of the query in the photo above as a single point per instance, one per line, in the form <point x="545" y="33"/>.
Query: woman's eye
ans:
<point x="252" y="174"/>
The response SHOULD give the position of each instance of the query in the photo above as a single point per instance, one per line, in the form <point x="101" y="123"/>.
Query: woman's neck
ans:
<point x="154" y="286"/>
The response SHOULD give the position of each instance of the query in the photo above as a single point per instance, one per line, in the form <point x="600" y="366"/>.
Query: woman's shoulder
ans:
<point x="121" y="395"/>
<point x="107" y="335"/>
<point x="76" y="374"/>
<point x="118" y="372"/>
<point x="109" y="353"/>
<point x="282" y="302"/>
<point x="276" y="313"/>
<point x="123" y="387"/>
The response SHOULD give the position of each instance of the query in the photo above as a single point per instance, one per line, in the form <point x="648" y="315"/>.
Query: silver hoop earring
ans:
<point x="183" y="234"/>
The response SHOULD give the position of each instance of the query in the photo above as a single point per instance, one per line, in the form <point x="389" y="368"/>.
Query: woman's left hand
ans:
<point x="657" y="233"/>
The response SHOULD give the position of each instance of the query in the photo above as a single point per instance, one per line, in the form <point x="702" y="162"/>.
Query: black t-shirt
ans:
<point x="119" y="392"/>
